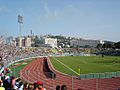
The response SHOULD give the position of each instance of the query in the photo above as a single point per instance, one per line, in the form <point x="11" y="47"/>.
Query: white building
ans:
<point x="51" y="41"/>
<point x="83" y="42"/>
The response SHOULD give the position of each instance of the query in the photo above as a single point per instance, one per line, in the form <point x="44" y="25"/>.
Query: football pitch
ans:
<point x="75" y="65"/>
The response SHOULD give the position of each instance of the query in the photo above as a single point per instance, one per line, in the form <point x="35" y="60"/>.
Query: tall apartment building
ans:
<point x="22" y="42"/>
<point x="28" y="42"/>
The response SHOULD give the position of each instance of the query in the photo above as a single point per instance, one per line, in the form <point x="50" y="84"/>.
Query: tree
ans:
<point x="107" y="45"/>
<point x="117" y="45"/>
<point x="99" y="46"/>
<point x="37" y="41"/>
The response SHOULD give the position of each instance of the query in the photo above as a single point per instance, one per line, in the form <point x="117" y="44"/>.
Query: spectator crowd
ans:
<point x="13" y="83"/>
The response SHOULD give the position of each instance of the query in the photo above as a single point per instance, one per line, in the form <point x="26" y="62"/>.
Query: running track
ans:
<point x="41" y="70"/>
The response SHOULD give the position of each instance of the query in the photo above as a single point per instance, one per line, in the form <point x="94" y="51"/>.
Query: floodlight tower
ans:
<point x="20" y="21"/>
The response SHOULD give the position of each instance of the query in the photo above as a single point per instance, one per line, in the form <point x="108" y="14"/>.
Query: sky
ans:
<point x="88" y="19"/>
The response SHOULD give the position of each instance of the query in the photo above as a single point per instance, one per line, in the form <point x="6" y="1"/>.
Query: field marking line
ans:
<point x="66" y="66"/>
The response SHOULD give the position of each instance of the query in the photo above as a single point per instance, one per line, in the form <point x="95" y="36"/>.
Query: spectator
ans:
<point x="30" y="87"/>
<point x="118" y="88"/>
<point x="13" y="79"/>
<point x="1" y="88"/>
<point x="25" y="87"/>
<point x="0" y="58"/>
<point x="6" y="83"/>
<point x="39" y="86"/>
<point x="18" y="84"/>
<point x="58" y="87"/>
<point x="63" y="87"/>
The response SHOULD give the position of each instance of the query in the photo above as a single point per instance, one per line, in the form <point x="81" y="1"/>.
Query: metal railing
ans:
<point x="100" y="75"/>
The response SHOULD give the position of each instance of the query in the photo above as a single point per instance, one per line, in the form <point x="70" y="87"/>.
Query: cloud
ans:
<point x="57" y="13"/>
<point x="49" y="14"/>
<point x="2" y="8"/>
<point x="20" y="10"/>
<point x="69" y="10"/>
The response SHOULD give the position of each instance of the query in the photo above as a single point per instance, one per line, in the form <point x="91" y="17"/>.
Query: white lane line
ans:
<point x="67" y="66"/>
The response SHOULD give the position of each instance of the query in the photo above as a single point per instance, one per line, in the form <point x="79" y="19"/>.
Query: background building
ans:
<point x="51" y="41"/>
<point x="28" y="42"/>
<point x="22" y="41"/>
<point x="84" y="43"/>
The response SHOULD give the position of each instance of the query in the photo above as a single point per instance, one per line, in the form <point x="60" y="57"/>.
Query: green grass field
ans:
<point x="87" y="64"/>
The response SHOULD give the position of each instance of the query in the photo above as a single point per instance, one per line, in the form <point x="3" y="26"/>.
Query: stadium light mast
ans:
<point x="20" y="21"/>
